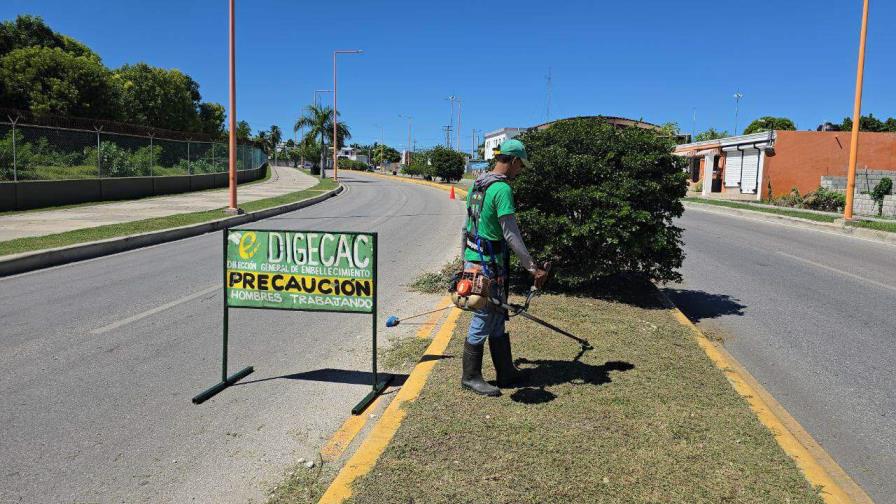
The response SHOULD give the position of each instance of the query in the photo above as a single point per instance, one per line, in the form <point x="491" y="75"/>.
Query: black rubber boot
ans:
<point x="472" y="377"/>
<point x="502" y="358"/>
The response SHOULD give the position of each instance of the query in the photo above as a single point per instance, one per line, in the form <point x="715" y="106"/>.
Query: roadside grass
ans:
<point x="889" y="227"/>
<point x="778" y="211"/>
<point x="29" y="244"/>
<point x="301" y="484"/>
<point x="437" y="283"/>
<point x="643" y="417"/>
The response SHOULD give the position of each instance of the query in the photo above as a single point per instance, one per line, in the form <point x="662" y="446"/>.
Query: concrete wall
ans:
<point x="864" y="205"/>
<point x="803" y="157"/>
<point x="30" y="194"/>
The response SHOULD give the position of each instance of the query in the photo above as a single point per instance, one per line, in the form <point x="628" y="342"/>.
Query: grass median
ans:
<point x="755" y="208"/>
<point x="21" y="245"/>
<point x="643" y="417"/>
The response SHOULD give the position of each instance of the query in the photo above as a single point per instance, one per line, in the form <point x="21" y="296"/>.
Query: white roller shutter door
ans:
<point x="732" y="168"/>
<point x="750" y="171"/>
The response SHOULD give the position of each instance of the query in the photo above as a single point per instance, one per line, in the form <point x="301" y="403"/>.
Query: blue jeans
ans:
<point x="489" y="321"/>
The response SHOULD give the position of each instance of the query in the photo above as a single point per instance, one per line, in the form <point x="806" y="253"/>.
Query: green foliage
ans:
<point x="383" y="153"/>
<point x="317" y="122"/>
<point x="243" y="130"/>
<point x="51" y="81"/>
<point x="49" y="73"/>
<point x="711" y="134"/>
<point x="31" y="31"/>
<point x="821" y="199"/>
<point x="114" y="161"/>
<point x="600" y="200"/>
<point x="882" y="189"/>
<point x="348" y="164"/>
<point x="769" y="123"/>
<point x="870" y="123"/>
<point x="447" y="164"/>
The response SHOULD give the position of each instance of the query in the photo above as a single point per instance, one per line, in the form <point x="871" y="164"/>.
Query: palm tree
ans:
<point x="318" y="121"/>
<point x="274" y="138"/>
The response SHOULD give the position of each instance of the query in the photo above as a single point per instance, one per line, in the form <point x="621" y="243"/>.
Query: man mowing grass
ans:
<point x="489" y="234"/>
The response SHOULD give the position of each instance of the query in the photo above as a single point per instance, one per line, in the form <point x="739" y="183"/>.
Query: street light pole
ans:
<point x="335" y="119"/>
<point x="408" y="156"/>
<point x="737" y="96"/>
<point x="856" y="119"/>
<point x="457" y="134"/>
<point x="231" y="161"/>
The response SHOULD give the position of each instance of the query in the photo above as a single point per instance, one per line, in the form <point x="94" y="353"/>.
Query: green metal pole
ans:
<point x="224" y="277"/>
<point x="378" y="386"/>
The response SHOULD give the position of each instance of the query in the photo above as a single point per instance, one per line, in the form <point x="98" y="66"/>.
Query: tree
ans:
<point x="31" y="31"/>
<point x="383" y="153"/>
<point x="211" y="119"/>
<point x="158" y="97"/>
<point x="318" y="122"/>
<point x="881" y="190"/>
<point x="866" y="123"/>
<point x="601" y="200"/>
<point x="51" y="81"/>
<point x="243" y="130"/>
<point x="447" y="164"/>
<point x="769" y="123"/>
<point x="711" y="134"/>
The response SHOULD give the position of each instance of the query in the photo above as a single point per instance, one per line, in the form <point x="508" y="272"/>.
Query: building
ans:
<point x="494" y="139"/>
<point x="772" y="163"/>
<point x="353" y="154"/>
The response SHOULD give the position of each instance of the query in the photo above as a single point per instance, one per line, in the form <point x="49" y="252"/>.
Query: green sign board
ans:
<point x="301" y="270"/>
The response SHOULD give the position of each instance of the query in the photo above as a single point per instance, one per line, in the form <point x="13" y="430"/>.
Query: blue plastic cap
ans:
<point x="392" y="321"/>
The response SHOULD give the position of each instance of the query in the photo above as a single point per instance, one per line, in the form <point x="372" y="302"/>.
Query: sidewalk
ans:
<point x="44" y="222"/>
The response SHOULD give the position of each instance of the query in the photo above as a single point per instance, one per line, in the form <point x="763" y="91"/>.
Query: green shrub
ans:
<point x="820" y="199"/>
<point x="600" y="200"/>
<point x="348" y="164"/>
<point x="114" y="161"/>
<point x="447" y="164"/>
<point x="882" y="189"/>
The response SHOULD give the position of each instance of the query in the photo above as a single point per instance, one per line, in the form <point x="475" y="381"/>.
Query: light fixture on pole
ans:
<point x="856" y="119"/>
<point x="335" y="113"/>
<point x="737" y="96"/>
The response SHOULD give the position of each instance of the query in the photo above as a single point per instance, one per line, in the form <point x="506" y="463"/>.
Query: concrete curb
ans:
<point x="30" y="261"/>
<point x="837" y="227"/>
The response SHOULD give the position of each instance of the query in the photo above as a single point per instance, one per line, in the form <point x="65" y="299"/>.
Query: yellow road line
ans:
<point x="427" y="328"/>
<point x="816" y="464"/>
<point x="370" y="450"/>
<point x="461" y="193"/>
<point x="344" y="436"/>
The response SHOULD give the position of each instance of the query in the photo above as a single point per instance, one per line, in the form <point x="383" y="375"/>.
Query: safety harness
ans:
<point x="475" y="242"/>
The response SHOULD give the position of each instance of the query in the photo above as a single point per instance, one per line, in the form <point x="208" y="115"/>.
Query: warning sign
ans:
<point x="301" y="270"/>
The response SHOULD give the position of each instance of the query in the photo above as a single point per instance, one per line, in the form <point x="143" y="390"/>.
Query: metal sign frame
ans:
<point x="380" y="380"/>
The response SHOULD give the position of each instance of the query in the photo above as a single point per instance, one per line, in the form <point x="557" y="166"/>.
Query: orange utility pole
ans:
<point x="335" y="150"/>
<point x="856" y="119"/>
<point x="231" y="161"/>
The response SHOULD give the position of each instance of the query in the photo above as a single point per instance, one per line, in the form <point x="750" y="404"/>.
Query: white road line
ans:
<point x="147" y="313"/>
<point x="841" y="272"/>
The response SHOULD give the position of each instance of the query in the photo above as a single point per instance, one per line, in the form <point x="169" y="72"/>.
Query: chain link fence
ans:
<point x="42" y="152"/>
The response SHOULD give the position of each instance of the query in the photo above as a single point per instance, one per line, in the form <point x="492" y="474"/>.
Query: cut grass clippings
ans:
<point x="29" y="244"/>
<point x="754" y="208"/>
<point x="437" y="283"/>
<point x="643" y="417"/>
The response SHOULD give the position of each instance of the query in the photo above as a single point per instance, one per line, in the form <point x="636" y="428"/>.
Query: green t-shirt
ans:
<point x="497" y="203"/>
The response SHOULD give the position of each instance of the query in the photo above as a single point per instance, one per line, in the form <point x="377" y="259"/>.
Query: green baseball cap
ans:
<point x="515" y="148"/>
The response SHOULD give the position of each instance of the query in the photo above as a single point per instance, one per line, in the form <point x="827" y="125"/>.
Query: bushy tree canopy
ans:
<point x="870" y="123"/>
<point x="47" y="80"/>
<point x="45" y="72"/>
<point x="711" y="134"/>
<point x="600" y="200"/>
<point x="769" y="123"/>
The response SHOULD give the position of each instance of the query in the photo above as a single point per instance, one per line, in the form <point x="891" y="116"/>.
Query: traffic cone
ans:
<point x="451" y="194"/>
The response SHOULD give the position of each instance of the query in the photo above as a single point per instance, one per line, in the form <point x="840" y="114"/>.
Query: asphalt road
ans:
<point x="811" y="315"/>
<point x="101" y="358"/>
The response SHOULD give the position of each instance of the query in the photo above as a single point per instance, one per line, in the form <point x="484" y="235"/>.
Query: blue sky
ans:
<point x="656" y="60"/>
